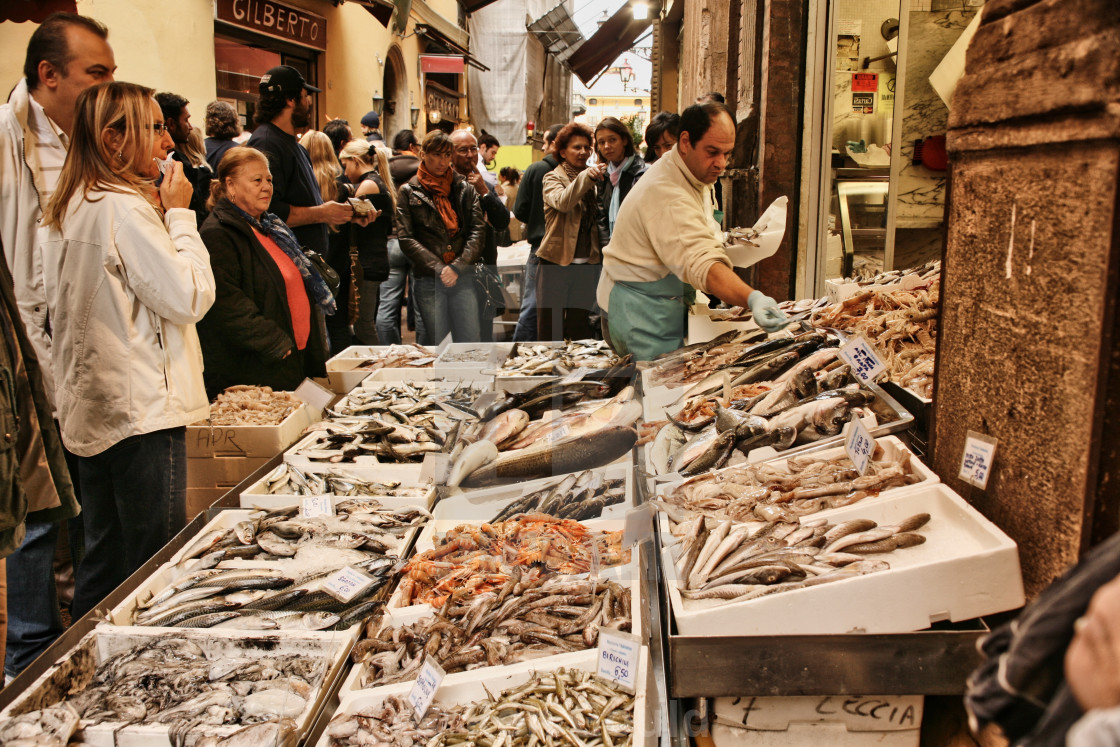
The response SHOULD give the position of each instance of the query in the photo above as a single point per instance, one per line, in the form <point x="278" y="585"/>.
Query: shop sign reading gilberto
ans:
<point x="275" y="19"/>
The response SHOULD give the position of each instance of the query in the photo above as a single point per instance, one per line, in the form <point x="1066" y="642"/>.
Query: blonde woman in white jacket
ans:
<point x="127" y="276"/>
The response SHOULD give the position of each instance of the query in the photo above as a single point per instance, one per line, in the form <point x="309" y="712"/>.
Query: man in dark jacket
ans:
<point x="464" y="159"/>
<point x="529" y="209"/>
<point x="177" y="118"/>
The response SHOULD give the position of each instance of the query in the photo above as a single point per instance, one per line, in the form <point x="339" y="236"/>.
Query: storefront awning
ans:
<point x="36" y="11"/>
<point x="613" y="38"/>
<point x="448" y="46"/>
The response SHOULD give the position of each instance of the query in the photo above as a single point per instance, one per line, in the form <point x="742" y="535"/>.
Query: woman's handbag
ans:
<point x="330" y="277"/>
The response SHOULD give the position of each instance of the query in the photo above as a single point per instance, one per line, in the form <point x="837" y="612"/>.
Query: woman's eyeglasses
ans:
<point x="158" y="127"/>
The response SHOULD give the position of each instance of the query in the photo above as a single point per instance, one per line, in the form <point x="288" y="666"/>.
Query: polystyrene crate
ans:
<point x="474" y="686"/>
<point x="966" y="568"/>
<point x="344" y="371"/>
<point x="77" y="666"/>
<point x="257" y="495"/>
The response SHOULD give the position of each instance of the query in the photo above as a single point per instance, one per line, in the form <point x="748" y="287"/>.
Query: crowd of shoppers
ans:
<point x="147" y="269"/>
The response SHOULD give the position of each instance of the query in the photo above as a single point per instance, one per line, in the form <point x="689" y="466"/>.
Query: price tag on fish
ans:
<point x="557" y="433"/>
<point x="424" y="690"/>
<point x="979" y="454"/>
<point x="639" y="525"/>
<point x="865" y="364"/>
<point x="618" y="659"/>
<point x="346" y="583"/>
<point x="859" y="444"/>
<point x="316" y="505"/>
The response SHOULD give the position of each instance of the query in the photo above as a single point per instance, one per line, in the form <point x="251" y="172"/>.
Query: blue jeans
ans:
<point x="134" y="500"/>
<point x="445" y="310"/>
<point x="33" y="617"/>
<point x="527" y="320"/>
<point x="392" y="296"/>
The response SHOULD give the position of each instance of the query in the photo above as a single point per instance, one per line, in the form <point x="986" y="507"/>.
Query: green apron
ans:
<point x="648" y="319"/>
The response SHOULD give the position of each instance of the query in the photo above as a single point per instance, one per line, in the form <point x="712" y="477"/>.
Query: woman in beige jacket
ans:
<point x="569" y="255"/>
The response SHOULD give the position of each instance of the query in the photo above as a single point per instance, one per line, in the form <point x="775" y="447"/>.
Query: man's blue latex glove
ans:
<point x="766" y="312"/>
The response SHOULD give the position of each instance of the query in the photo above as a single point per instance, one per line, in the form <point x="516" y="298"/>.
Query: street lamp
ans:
<point x="640" y="10"/>
<point x="415" y="112"/>
<point x="625" y="74"/>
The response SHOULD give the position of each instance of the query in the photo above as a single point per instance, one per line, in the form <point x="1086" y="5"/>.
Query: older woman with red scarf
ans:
<point x="440" y="228"/>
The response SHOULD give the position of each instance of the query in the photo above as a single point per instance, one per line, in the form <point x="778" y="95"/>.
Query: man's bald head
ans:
<point x="464" y="151"/>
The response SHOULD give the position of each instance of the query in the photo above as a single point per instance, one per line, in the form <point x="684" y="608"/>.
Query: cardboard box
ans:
<point x="102" y="643"/>
<point x="204" y="440"/>
<point x="218" y="471"/>
<point x="200" y="499"/>
<point x="856" y="713"/>
<point x="966" y="568"/>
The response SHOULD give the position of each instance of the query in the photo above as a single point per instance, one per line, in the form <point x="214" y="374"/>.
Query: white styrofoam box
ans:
<point x="409" y="615"/>
<point x="627" y="573"/>
<point x="205" y="440"/>
<point x="77" y="665"/>
<point x="967" y="568"/>
<point x="343" y="370"/>
<point x="662" y="485"/>
<point x="368" y="467"/>
<point x="469" y="687"/>
<point x="387" y="375"/>
<point x="857" y="713"/>
<point x="482" y="355"/>
<point x="484" y="504"/>
<point x="812" y="735"/>
<point x="257" y="495"/>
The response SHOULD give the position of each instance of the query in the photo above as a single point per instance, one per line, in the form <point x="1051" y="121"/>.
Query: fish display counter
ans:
<point x="127" y="688"/>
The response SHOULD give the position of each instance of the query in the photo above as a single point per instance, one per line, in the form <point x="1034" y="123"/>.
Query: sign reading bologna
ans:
<point x="275" y="19"/>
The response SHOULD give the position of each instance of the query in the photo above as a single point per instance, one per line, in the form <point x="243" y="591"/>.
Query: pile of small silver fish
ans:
<point x="542" y="359"/>
<point x="252" y="405"/>
<point x="344" y="440"/>
<point x="172" y="682"/>
<point x="396" y="356"/>
<point x="926" y="272"/>
<point x="472" y="559"/>
<point x="734" y="561"/>
<point x="771" y="491"/>
<point x="409" y="403"/>
<point x="539" y="617"/>
<point x="577" y="496"/>
<point x="564" y="706"/>
<point x="288" y="479"/>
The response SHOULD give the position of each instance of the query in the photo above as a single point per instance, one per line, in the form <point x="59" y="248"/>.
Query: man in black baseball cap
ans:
<point x="285" y="79"/>
<point x="283" y="110"/>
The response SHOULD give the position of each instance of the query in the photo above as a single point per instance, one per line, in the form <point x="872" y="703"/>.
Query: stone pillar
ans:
<point x="1028" y="348"/>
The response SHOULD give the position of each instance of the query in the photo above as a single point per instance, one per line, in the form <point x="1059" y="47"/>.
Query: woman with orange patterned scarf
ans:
<point x="440" y="228"/>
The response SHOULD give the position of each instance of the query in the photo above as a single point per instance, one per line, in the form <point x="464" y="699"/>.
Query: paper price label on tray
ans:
<point x="859" y="444"/>
<point x="557" y="434"/>
<point x="316" y="505"/>
<point x="639" y="526"/>
<point x="617" y="662"/>
<point x="424" y="690"/>
<point x="979" y="454"/>
<point x="865" y="364"/>
<point x="346" y="583"/>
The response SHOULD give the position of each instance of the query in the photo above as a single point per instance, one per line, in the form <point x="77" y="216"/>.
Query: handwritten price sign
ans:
<point x="619" y="656"/>
<point x="424" y="691"/>
<point x="346" y="583"/>
<point x="316" y="505"/>
<point x="976" y="463"/>
<point x="859" y="445"/>
<point x="865" y="364"/>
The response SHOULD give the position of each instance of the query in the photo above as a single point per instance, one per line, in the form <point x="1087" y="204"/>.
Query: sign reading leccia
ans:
<point x="276" y="20"/>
